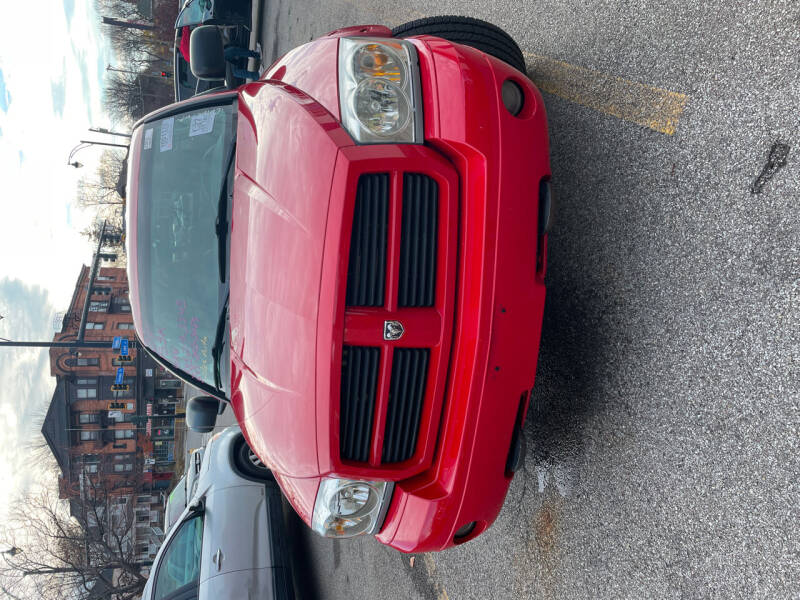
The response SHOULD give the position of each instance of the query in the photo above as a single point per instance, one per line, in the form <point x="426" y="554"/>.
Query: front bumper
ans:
<point x="500" y="293"/>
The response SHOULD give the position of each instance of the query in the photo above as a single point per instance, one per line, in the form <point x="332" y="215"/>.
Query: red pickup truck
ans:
<point x="351" y="252"/>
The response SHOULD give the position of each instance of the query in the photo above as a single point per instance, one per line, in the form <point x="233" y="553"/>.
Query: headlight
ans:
<point x="379" y="90"/>
<point x="347" y="507"/>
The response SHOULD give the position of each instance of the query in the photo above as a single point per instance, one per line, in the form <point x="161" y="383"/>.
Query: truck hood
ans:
<point x="287" y="147"/>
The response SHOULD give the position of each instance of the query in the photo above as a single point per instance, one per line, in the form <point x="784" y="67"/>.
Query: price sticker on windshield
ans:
<point x="202" y="123"/>
<point x="148" y="139"/>
<point x="167" y="126"/>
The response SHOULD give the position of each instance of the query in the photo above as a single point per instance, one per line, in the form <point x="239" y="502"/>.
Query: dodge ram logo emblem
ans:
<point x="392" y="330"/>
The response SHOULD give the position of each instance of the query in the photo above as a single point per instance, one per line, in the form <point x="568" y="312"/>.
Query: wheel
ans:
<point x="248" y="462"/>
<point x="478" y="34"/>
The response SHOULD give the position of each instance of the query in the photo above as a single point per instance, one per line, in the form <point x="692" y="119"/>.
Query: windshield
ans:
<point x="194" y="13"/>
<point x="183" y="174"/>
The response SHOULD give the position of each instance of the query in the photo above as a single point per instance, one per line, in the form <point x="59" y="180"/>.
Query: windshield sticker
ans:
<point x="202" y="123"/>
<point x="166" y="134"/>
<point x="148" y="139"/>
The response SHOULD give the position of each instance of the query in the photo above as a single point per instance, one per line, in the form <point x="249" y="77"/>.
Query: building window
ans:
<point x="143" y="499"/>
<point x="142" y="518"/>
<point x="123" y="434"/>
<point x="123" y="467"/>
<point x="98" y="306"/>
<point x="124" y="325"/>
<point x="84" y="418"/>
<point x="121" y="304"/>
<point x="90" y="468"/>
<point x="87" y="381"/>
<point x="87" y="393"/>
<point x="122" y="456"/>
<point x="89" y="435"/>
<point x="104" y="278"/>
<point x="101" y="290"/>
<point x="123" y="500"/>
<point x="88" y="362"/>
<point x="94" y="325"/>
<point x="169" y="383"/>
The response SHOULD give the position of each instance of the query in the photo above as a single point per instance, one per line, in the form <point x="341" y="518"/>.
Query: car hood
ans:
<point x="286" y="151"/>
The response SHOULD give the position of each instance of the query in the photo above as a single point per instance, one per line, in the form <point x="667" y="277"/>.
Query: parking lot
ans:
<point x="663" y="436"/>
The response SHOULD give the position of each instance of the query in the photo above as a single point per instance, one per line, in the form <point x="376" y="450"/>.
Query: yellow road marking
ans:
<point x="638" y="103"/>
<point x="431" y="568"/>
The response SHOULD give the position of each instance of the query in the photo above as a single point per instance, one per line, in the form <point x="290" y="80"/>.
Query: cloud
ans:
<point x="69" y="9"/>
<point x="5" y="96"/>
<point x="86" y="87"/>
<point x="58" y="89"/>
<point x="52" y="104"/>
<point x="26" y="386"/>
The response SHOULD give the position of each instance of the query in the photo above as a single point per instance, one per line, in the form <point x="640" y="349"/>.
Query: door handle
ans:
<point x="217" y="559"/>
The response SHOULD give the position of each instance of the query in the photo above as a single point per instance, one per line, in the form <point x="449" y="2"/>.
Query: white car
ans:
<point x="184" y="490"/>
<point x="230" y="541"/>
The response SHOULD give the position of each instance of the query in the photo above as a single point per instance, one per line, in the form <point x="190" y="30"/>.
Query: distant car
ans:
<point x="184" y="490"/>
<point x="233" y="16"/>
<point x="229" y="542"/>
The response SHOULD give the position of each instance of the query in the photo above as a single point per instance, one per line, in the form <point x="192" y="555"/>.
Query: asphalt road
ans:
<point x="663" y="439"/>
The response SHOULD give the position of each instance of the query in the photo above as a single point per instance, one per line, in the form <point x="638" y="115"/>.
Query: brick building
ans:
<point x="124" y="438"/>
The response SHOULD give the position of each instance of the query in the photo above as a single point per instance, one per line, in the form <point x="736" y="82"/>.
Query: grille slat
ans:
<point x="366" y="271"/>
<point x="406" y="396"/>
<point x="360" y="367"/>
<point x="418" y="389"/>
<point x="418" y="241"/>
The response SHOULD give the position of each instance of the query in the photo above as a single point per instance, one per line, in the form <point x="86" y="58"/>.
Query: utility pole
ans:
<point x="128" y="24"/>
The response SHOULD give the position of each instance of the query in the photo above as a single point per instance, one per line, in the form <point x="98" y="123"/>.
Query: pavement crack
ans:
<point x="775" y="162"/>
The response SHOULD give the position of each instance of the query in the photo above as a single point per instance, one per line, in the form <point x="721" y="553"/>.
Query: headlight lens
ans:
<point x="379" y="90"/>
<point x="346" y="507"/>
<point x="381" y="107"/>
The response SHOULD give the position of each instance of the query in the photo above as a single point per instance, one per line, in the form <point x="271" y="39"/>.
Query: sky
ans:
<point x="52" y="64"/>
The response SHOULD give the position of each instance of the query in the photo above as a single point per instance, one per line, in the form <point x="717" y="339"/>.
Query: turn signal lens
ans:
<point x="378" y="60"/>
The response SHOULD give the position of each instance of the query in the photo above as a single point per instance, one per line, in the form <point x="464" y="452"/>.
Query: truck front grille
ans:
<point x="391" y="388"/>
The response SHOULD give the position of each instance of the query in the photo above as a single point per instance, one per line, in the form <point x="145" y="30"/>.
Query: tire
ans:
<point x="248" y="463"/>
<point x="478" y="34"/>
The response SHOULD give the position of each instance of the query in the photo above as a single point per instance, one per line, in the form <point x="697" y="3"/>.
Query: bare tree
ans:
<point x="103" y="188"/>
<point x="113" y="230"/>
<point x="72" y="551"/>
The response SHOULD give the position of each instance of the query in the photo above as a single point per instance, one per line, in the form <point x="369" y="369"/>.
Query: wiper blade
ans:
<point x="219" y="343"/>
<point x="222" y="217"/>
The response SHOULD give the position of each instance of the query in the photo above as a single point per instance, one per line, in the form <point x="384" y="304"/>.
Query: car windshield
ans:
<point x="194" y="13"/>
<point x="183" y="172"/>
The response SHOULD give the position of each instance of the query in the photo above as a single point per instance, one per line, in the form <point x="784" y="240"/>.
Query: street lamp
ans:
<point x="13" y="551"/>
<point x="85" y="144"/>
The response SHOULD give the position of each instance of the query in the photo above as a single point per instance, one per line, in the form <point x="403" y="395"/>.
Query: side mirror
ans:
<point x="201" y="413"/>
<point x="197" y="506"/>
<point x="207" y="53"/>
